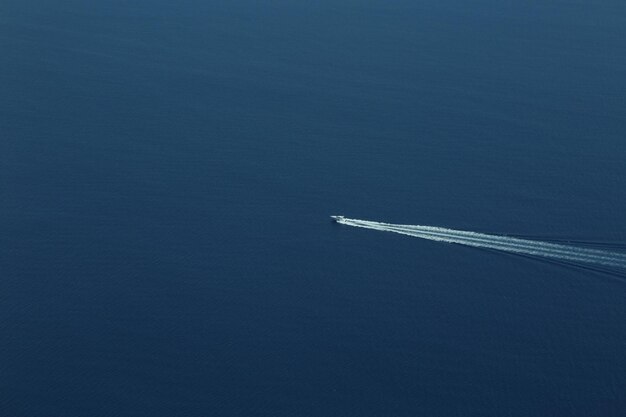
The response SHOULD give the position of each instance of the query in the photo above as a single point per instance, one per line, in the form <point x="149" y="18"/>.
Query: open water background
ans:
<point x="167" y="170"/>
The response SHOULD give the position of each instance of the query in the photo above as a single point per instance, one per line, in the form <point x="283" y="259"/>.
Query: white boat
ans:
<point x="337" y="219"/>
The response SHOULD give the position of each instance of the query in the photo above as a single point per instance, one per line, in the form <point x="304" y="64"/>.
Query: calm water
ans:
<point x="167" y="170"/>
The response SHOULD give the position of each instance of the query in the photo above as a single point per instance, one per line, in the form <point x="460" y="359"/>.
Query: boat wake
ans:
<point x="509" y="244"/>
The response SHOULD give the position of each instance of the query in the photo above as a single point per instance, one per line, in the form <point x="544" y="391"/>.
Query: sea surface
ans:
<point x="167" y="172"/>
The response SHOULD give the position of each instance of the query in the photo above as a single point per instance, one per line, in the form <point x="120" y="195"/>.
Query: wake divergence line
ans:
<point x="501" y="243"/>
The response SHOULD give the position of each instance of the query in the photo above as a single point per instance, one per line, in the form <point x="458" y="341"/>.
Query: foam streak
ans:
<point x="502" y="243"/>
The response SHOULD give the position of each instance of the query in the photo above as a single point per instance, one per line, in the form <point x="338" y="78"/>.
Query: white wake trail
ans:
<point x="502" y="243"/>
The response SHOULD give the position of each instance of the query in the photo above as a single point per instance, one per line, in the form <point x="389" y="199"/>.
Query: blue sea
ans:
<point x="167" y="173"/>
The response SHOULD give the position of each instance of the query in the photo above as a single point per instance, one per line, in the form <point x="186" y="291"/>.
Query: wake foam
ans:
<point x="501" y="243"/>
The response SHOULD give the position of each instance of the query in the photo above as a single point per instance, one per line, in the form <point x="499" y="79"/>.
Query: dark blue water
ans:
<point x="167" y="170"/>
